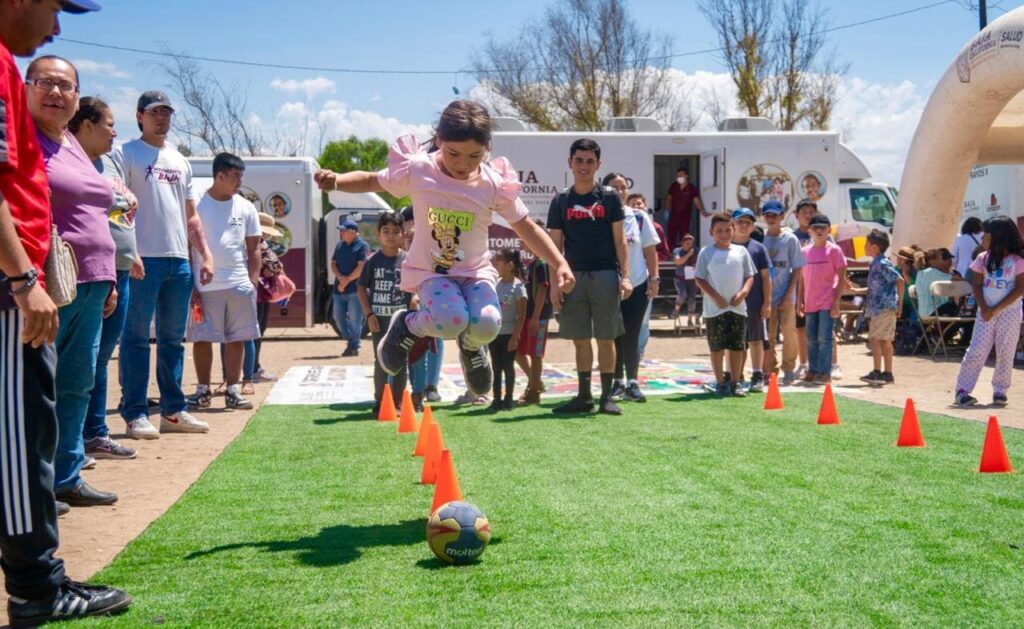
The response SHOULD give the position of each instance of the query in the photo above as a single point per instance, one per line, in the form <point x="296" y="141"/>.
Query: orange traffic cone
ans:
<point x="421" y="439"/>
<point x="773" y="401"/>
<point x="994" y="459"/>
<point x="910" y="429"/>
<point x="447" y="488"/>
<point x="828" y="413"/>
<point x="407" y="420"/>
<point x="435" y="444"/>
<point x="387" y="407"/>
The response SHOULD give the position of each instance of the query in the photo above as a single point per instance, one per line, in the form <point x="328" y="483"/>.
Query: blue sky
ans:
<point x="892" y="64"/>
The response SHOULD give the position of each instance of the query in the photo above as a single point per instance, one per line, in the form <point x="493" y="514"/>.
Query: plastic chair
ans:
<point x="954" y="290"/>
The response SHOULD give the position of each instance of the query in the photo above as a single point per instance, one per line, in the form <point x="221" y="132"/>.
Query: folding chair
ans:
<point x="924" y="323"/>
<point x="953" y="290"/>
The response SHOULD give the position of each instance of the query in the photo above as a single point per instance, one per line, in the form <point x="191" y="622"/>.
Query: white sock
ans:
<point x="235" y="389"/>
<point x="202" y="388"/>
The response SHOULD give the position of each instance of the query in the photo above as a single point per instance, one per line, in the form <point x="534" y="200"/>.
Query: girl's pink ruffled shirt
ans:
<point x="452" y="216"/>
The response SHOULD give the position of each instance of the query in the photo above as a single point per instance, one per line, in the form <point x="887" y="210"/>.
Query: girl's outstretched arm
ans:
<point x="355" y="181"/>
<point x="540" y="243"/>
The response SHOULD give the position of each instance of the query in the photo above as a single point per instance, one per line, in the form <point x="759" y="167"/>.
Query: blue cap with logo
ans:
<point x="80" y="6"/>
<point x="743" y="212"/>
<point x="772" y="207"/>
<point x="348" y="223"/>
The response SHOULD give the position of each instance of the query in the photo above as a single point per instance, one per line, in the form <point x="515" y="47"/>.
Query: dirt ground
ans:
<point x="165" y="468"/>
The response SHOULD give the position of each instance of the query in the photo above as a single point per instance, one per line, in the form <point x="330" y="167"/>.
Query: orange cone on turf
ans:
<point x="421" y="439"/>
<point x="773" y="401"/>
<point x="447" y="488"/>
<point x="407" y="420"/>
<point x="994" y="459"/>
<point x="910" y="429"/>
<point x="435" y="444"/>
<point x="828" y="414"/>
<point x="387" y="407"/>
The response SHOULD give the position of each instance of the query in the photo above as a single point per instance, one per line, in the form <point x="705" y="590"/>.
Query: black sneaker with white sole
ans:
<point x="393" y="349"/>
<point x="235" y="401"/>
<point x="476" y="368"/>
<point x="72" y="600"/>
<point x="200" y="399"/>
<point x="633" y="393"/>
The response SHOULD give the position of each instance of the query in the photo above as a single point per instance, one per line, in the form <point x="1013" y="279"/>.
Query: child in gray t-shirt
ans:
<point x="512" y="297"/>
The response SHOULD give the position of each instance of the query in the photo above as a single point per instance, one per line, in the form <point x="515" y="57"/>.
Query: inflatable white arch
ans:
<point x="975" y="115"/>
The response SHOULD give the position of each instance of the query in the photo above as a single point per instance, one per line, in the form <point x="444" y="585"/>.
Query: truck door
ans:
<point x="712" y="185"/>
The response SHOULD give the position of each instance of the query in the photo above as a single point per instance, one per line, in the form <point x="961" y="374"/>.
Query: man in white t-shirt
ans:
<point x="224" y="311"/>
<point x="165" y="225"/>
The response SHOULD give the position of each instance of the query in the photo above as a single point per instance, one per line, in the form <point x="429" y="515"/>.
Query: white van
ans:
<point x="744" y="165"/>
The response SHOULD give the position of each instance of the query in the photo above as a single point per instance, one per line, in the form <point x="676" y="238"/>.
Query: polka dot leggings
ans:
<point x="1002" y="332"/>
<point x="450" y="307"/>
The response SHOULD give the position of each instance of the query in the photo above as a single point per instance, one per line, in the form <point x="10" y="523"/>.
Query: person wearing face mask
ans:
<point x="680" y="200"/>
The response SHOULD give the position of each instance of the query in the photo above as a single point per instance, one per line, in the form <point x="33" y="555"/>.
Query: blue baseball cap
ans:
<point x="772" y="207"/>
<point x="80" y="6"/>
<point x="743" y="212"/>
<point x="348" y="223"/>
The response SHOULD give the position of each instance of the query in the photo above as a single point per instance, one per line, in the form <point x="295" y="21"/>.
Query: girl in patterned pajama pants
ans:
<point x="1002" y="332"/>
<point x="453" y="307"/>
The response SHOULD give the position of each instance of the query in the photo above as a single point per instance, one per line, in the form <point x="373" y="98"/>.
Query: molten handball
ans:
<point x="458" y="532"/>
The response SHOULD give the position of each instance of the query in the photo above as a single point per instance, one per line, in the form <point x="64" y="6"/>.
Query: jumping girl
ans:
<point x="454" y="194"/>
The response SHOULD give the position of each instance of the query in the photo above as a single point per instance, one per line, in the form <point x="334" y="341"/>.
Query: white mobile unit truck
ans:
<point x="995" y="189"/>
<point x="745" y="164"/>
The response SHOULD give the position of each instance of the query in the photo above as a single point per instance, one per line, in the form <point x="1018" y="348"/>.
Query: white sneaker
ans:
<point x="182" y="422"/>
<point x="837" y="372"/>
<point x="801" y="371"/>
<point x="141" y="428"/>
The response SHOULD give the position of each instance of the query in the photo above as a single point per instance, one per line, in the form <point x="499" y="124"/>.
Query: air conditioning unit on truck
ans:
<point x="745" y="165"/>
<point x="284" y="188"/>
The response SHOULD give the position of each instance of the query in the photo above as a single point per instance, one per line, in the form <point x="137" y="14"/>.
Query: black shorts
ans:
<point x="756" y="329"/>
<point x="727" y="331"/>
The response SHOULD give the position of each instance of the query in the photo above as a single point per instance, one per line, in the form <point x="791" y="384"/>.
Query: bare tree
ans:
<point x="214" y="115"/>
<point x="583" y="63"/>
<point x="775" y="52"/>
<point x="744" y="32"/>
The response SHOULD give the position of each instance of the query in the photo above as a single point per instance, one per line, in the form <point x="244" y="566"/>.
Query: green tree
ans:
<point x="350" y="154"/>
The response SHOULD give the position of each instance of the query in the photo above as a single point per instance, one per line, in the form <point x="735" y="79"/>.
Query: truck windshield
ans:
<point x="871" y="205"/>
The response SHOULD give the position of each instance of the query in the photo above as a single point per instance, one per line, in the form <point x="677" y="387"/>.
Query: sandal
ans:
<point x="248" y="388"/>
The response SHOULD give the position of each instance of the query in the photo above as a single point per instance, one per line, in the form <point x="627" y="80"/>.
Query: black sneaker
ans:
<point x="63" y="508"/>
<point x="200" y="399"/>
<point x="757" y="382"/>
<point x="476" y="368"/>
<point x="999" y="399"/>
<point x="963" y="399"/>
<point x="575" y="405"/>
<point x="723" y="389"/>
<point x="236" y="402"/>
<point x="393" y="349"/>
<point x="874" y="378"/>
<point x="887" y="376"/>
<point x="736" y="389"/>
<point x="618" y="391"/>
<point x="349" y="352"/>
<point x="87" y="496"/>
<point x="608" y="406"/>
<point x="508" y="405"/>
<point x="634" y="394"/>
<point x="72" y="600"/>
<point x="495" y="406"/>
<point x="417" y="402"/>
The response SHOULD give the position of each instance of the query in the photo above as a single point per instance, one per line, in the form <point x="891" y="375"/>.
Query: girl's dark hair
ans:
<point x="932" y="255"/>
<point x="1004" y="240"/>
<point x="512" y="255"/>
<point x="89" y="108"/>
<point x="608" y="178"/>
<point x="972" y="226"/>
<point x="462" y="120"/>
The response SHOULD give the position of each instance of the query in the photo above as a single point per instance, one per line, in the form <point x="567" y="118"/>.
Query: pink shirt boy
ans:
<point x="452" y="216"/>
<point x="821" y="276"/>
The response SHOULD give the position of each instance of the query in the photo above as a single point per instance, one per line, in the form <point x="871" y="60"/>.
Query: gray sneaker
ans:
<point x="475" y="367"/>
<point x="141" y="428"/>
<point x="236" y="402"/>
<point x="106" y="448"/>
<point x="633" y="393"/>
<point x="182" y="422"/>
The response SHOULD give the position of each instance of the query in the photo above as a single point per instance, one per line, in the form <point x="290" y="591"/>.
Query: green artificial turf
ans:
<point x="684" y="511"/>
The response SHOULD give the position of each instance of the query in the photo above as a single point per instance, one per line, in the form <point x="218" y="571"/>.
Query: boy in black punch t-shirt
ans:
<point x="585" y="222"/>
<point x="380" y="297"/>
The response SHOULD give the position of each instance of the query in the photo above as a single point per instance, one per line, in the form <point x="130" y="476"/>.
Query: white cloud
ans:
<point x="301" y="129"/>
<point x="91" y="66"/>
<point x="310" y="87"/>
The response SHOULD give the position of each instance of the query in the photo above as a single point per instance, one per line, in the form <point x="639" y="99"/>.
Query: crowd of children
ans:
<point x="760" y="288"/>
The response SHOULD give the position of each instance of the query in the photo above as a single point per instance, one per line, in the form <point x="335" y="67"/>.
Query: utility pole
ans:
<point x="982" y="14"/>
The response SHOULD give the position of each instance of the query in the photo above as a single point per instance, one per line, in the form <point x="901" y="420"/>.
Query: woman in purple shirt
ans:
<point x="80" y="198"/>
